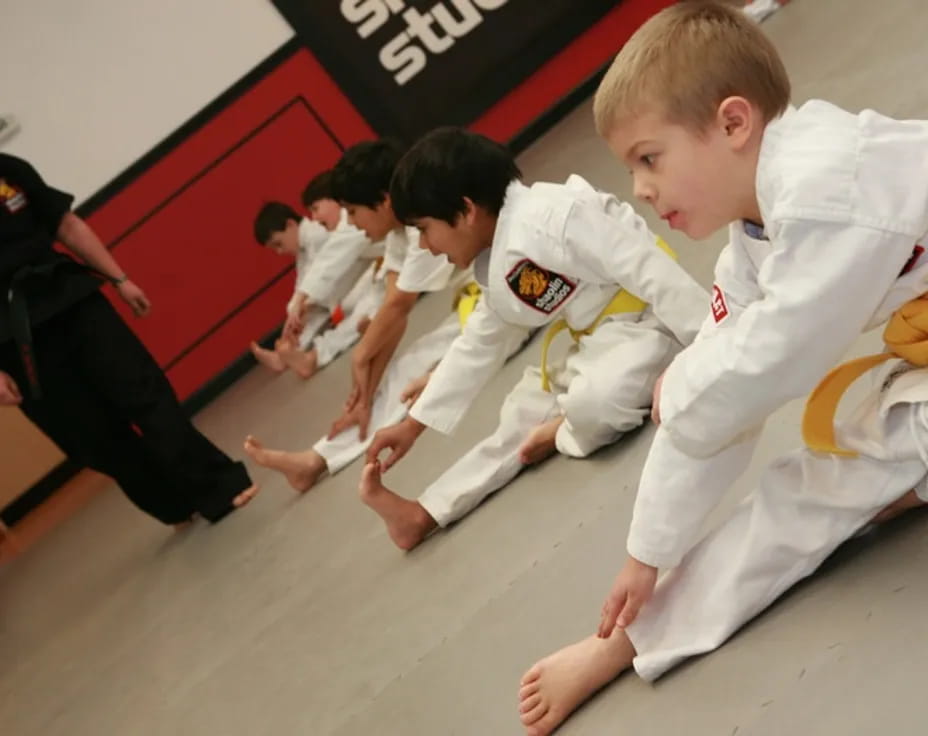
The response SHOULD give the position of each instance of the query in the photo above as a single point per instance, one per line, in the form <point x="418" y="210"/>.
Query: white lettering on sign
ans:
<point x="432" y="32"/>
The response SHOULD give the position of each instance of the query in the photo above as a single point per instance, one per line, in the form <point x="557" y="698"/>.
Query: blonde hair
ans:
<point x="685" y="61"/>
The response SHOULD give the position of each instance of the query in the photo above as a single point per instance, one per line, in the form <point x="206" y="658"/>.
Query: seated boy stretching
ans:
<point x="550" y="253"/>
<point x="330" y="257"/>
<point x="362" y="182"/>
<point x="827" y="211"/>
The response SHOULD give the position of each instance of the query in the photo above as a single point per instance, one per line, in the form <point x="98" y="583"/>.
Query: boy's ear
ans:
<point x="387" y="201"/>
<point x="470" y="211"/>
<point x="737" y="118"/>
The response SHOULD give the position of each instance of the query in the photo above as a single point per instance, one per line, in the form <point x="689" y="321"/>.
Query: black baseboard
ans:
<point x="38" y="493"/>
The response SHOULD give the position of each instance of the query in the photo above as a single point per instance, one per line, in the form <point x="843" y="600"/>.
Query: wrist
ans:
<point x="118" y="281"/>
<point x="638" y="564"/>
<point x="414" y="425"/>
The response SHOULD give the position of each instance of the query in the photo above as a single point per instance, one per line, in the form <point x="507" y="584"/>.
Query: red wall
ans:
<point x="182" y="229"/>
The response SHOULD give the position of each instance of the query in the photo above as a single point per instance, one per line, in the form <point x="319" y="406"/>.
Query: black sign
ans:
<point x="410" y="65"/>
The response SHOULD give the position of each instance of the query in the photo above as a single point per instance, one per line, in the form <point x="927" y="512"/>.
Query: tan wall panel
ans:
<point x="25" y="455"/>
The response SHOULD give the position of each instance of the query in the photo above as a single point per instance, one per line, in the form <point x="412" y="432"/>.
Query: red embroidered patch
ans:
<point x="719" y="306"/>
<point x="11" y="197"/>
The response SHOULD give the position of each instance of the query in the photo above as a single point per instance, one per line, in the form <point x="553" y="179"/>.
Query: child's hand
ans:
<point x="358" y="416"/>
<point x="631" y="590"/>
<point x="399" y="438"/>
<point x="9" y="391"/>
<point x="656" y="401"/>
<point x="360" y="378"/>
<point x="414" y="390"/>
<point x="293" y="327"/>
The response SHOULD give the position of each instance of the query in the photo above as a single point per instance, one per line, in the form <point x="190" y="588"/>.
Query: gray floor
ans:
<point x="299" y="617"/>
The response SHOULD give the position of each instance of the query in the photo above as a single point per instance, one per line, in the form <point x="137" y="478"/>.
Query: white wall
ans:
<point x="97" y="83"/>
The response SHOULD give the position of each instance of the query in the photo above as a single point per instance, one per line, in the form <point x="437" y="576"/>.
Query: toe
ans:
<point x="535" y="715"/>
<point x="530" y="703"/>
<point x="532" y="675"/>
<point x="527" y="690"/>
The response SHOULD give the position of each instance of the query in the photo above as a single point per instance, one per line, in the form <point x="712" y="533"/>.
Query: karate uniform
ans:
<point x="844" y="200"/>
<point x="362" y="302"/>
<point x="90" y="384"/>
<point x="559" y="251"/>
<point x="417" y="271"/>
<point x="328" y="265"/>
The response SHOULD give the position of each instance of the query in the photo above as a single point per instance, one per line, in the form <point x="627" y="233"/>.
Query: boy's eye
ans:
<point x="648" y="159"/>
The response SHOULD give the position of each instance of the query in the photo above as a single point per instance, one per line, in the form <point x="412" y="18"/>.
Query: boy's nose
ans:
<point x="644" y="191"/>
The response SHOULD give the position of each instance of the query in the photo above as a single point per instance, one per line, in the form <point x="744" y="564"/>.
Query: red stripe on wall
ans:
<point x="183" y="229"/>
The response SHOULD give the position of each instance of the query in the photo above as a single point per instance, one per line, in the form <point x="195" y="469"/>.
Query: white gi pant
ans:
<point x="387" y="408"/>
<point x="806" y="504"/>
<point x="316" y="320"/>
<point x="362" y="301"/>
<point x="603" y="389"/>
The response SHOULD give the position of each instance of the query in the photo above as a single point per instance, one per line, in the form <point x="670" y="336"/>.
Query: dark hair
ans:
<point x="447" y="165"/>
<point x="362" y="176"/>
<point x="320" y="187"/>
<point x="272" y="218"/>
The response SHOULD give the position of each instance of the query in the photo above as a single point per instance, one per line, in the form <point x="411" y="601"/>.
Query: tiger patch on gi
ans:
<point x="539" y="288"/>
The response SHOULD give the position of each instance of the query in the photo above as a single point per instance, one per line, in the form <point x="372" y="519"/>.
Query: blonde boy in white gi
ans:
<point x="540" y="254"/>
<point x="829" y="210"/>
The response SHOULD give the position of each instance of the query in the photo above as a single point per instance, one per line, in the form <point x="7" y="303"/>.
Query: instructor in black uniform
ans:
<point x="82" y="376"/>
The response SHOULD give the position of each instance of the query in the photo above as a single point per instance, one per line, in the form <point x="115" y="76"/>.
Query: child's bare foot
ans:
<point x="303" y="364"/>
<point x="407" y="522"/>
<point x="363" y="324"/>
<point x="909" y="501"/>
<point x="301" y="469"/>
<point x="557" y="685"/>
<point x="540" y="442"/>
<point x="268" y="358"/>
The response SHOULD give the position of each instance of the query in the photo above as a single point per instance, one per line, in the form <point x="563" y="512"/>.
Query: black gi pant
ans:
<point x="108" y="406"/>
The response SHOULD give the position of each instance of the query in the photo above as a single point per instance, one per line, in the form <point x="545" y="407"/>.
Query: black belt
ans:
<point x="20" y="323"/>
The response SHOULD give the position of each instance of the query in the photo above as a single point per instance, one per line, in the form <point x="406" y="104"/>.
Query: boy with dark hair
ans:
<point x="330" y="258"/>
<point x="380" y="386"/>
<point x="550" y="253"/>
<point x="828" y="215"/>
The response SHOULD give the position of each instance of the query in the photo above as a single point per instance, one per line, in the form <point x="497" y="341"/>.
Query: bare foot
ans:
<point x="268" y="358"/>
<point x="557" y="685"/>
<point x="183" y="525"/>
<point x="909" y="501"/>
<point x="244" y="498"/>
<point x="302" y="363"/>
<point x="407" y="522"/>
<point x="301" y="469"/>
<point x="363" y="324"/>
<point x="540" y="442"/>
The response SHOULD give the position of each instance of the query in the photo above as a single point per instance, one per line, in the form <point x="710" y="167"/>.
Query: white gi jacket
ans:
<point x="417" y="269"/>
<point x="844" y="200"/>
<point x="558" y="250"/>
<point x="330" y="262"/>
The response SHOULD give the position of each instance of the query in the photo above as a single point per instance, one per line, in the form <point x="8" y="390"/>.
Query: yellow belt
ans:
<point x="466" y="301"/>
<point x="623" y="302"/>
<point x="906" y="337"/>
